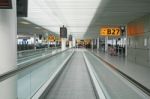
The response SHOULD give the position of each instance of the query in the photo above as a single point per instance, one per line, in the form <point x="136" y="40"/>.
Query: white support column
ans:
<point x="106" y="45"/>
<point x="92" y="44"/>
<point x="70" y="44"/>
<point x="8" y="50"/>
<point x="34" y="41"/>
<point x="98" y="43"/>
<point x="63" y="43"/>
<point x="47" y="44"/>
<point x="8" y="38"/>
<point x="74" y="42"/>
<point x="126" y="45"/>
<point x="47" y="40"/>
<point x="55" y="44"/>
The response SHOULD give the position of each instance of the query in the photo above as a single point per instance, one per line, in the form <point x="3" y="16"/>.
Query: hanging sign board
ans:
<point x="110" y="31"/>
<point x="51" y="38"/>
<point x="63" y="32"/>
<point x="22" y="8"/>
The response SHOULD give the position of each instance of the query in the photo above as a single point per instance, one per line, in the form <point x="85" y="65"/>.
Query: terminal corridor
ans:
<point x="74" y="49"/>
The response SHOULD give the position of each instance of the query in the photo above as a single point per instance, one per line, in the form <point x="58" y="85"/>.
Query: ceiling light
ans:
<point x="37" y="27"/>
<point x="51" y="14"/>
<point x="24" y="22"/>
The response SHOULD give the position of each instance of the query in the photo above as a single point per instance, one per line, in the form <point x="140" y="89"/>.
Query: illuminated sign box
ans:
<point x="63" y="32"/>
<point x="110" y="31"/>
<point x="51" y="38"/>
<point x="5" y="4"/>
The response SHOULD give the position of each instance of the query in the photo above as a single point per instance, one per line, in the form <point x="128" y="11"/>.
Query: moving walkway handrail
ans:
<point x="101" y="93"/>
<point x="23" y="51"/>
<point x="33" y="50"/>
<point x="36" y="54"/>
<point x="25" y="55"/>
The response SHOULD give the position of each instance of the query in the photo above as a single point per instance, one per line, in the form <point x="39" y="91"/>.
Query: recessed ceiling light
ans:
<point x="24" y="22"/>
<point x="37" y="27"/>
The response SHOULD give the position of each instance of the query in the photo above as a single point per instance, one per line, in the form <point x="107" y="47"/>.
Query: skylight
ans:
<point x="76" y="15"/>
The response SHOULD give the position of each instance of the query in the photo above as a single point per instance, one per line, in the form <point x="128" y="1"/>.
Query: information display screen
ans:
<point x="5" y="4"/>
<point x="63" y="32"/>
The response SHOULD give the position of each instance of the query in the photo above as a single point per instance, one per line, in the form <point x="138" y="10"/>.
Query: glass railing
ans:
<point x="26" y="83"/>
<point x="30" y="54"/>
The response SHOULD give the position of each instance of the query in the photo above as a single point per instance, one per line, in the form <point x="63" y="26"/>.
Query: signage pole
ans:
<point x="70" y="44"/>
<point x="74" y="42"/>
<point x="34" y="41"/>
<point x="92" y="44"/>
<point x="106" y="45"/>
<point x="63" y="43"/>
<point x="98" y="43"/>
<point x="126" y="44"/>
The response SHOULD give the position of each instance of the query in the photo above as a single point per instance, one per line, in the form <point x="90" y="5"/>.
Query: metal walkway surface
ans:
<point x="74" y="82"/>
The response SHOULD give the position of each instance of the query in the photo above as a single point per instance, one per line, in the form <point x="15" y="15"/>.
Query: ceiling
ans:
<point x="83" y="18"/>
<point x="117" y="12"/>
<point x="76" y="15"/>
<point x="25" y="27"/>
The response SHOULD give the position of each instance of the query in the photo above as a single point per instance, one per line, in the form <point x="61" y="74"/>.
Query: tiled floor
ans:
<point x="112" y="83"/>
<point x="135" y="71"/>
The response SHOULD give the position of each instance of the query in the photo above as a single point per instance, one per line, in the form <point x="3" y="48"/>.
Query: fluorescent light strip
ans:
<point x="24" y="22"/>
<point x="56" y="13"/>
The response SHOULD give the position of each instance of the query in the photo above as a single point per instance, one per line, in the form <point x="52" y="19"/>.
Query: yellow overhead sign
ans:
<point x="110" y="31"/>
<point x="51" y="38"/>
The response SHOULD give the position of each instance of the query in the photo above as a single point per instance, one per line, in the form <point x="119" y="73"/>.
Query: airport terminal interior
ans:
<point x="74" y="49"/>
